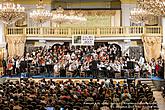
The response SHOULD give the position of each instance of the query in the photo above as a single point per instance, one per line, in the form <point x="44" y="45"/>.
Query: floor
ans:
<point x="160" y="100"/>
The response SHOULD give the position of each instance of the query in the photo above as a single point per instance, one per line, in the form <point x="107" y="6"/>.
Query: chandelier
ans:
<point x="76" y="17"/>
<point x="10" y="12"/>
<point x="40" y="14"/>
<point x="139" y="15"/>
<point x="154" y="6"/>
<point x="71" y="16"/>
<point x="59" y="17"/>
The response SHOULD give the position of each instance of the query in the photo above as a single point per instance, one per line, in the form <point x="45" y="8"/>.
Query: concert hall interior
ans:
<point x="82" y="54"/>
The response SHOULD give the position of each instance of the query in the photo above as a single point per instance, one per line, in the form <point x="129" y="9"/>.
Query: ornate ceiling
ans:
<point x="87" y="4"/>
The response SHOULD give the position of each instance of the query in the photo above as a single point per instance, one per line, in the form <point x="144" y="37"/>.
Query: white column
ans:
<point x="112" y="20"/>
<point x="117" y="18"/>
<point x="2" y="40"/>
<point x="163" y="30"/>
<point x="163" y="43"/>
<point x="2" y="35"/>
<point x="1" y="32"/>
<point x="126" y="8"/>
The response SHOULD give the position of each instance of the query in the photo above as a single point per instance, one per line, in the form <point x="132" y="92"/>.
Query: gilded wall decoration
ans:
<point x="15" y="45"/>
<point x="149" y="44"/>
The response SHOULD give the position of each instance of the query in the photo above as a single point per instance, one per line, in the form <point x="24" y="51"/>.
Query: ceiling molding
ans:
<point x="30" y="2"/>
<point x="87" y="4"/>
<point x="95" y="12"/>
<point x="128" y="1"/>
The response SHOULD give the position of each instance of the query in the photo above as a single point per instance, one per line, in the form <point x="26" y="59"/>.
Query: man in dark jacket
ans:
<point x="4" y="66"/>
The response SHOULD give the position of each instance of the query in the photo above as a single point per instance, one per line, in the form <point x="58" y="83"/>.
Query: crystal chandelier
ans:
<point x="75" y="17"/>
<point x="154" y="6"/>
<point x="10" y="12"/>
<point x="60" y="16"/>
<point x="40" y="14"/>
<point x="139" y="15"/>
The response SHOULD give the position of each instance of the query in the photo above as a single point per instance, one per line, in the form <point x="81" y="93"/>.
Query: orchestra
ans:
<point x="103" y="61"/>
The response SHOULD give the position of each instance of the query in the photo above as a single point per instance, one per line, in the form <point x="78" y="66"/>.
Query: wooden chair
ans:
<point x="58" y="81"/>
<point x="57" y="74"/>
<point x="82" y="74"/>
<point x="76" y="81"/>
<point x="121" y="83"/>
<point x="85" y="108"/>
<point x="86" y="82"/>
<point x="6" y="108"/>
<point x="69" y="74"/>
<point x="117" y="75"/>
<point x="114" y="82"/>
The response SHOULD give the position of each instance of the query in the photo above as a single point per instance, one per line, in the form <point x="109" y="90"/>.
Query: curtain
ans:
<point x="16" y="45"/>
<point x="152" y="47"/>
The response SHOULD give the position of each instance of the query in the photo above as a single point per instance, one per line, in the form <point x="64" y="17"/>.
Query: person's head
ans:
<point x="91" y="80"/>
<point x="98" y="80"/>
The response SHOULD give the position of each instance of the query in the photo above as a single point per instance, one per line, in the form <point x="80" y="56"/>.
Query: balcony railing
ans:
<point x="98" y="31"/>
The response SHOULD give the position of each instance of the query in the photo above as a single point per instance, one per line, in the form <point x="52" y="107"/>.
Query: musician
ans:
<point x="18" y="65"/>
<point x="85" y="67"/>
<point x="4" y="64"/>
<point x="10" y="67"/>
<point x="93" y="65"/>
<point x="73" y="67"/>
<point x="56" y="68"/>
<point x="75" y="59"/>
<point x="67" y="56"/>
<point x="49" y="65"/>
<point x="114" y="49"/>
<point x="137" y="69"/>
<point x="141" y="60"/>
<point x="62" y="69"/>
<point x="127" y="57"/>
<point x="42" y="64"/>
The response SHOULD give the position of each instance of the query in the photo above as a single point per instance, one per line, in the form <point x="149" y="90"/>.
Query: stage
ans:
<point x="48" y="76"/>
<point x="39" y="77"/>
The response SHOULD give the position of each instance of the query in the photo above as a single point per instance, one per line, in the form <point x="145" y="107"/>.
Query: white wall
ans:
<point x="126" y="8"/>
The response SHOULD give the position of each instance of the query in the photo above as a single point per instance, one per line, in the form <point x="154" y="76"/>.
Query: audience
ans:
<point x="85" y="95"/>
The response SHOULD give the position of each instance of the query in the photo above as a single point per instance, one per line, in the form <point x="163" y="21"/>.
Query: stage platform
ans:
<point x="60" y="79"/>
<point x="77" y="78"/>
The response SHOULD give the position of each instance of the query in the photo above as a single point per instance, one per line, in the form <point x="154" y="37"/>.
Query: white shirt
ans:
<point x="141" y="61"/>
<point x="17" y="64"/>
<point x="56" y="68"/>
<point x="137" y="69"/>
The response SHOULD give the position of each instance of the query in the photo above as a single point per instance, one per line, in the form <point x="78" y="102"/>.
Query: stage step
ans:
<point x="149" y="83"/>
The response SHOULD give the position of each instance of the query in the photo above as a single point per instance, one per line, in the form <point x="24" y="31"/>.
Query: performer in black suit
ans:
<point x="93" y="68"/>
